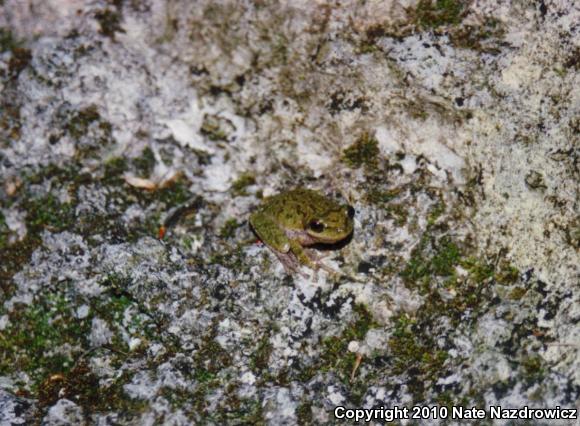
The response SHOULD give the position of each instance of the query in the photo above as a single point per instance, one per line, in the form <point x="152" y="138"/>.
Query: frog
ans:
<point x="290" y="222"/>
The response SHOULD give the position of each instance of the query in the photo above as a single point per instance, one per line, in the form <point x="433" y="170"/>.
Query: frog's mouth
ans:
<point x="338" y="236"/>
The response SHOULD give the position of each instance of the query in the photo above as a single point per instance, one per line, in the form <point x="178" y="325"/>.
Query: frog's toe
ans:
<point x="312" y="255"/>
<point x="317" y="262"/>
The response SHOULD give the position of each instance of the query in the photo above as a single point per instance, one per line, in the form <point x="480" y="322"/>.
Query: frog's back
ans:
<point x="292" y="208"/>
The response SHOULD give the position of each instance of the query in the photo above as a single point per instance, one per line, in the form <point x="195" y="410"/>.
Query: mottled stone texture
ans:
<point x="451" y="127"/>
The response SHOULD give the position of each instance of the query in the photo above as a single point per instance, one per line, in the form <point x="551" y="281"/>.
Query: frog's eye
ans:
<point x="350" y="211"/>
<point x="316" y="226"/>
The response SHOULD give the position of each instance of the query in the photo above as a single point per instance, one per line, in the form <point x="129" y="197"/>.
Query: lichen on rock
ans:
<point x="137" y="137"/>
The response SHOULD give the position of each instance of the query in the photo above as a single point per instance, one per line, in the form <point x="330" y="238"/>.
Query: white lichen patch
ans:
<point x="137" y="137"/>
<point x="100" y="333"/>
<point x="64" y="412"/>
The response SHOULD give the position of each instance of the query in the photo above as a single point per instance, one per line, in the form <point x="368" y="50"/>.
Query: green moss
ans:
<point x="51" y="172"/>
<point x="211" y="128"/>
<point x="207" y="382"/>
<point x="228" y="230"/>
<point x="48" y="213"/>
<point x="114" y="308"/>
<point x="560" y="72"/>
<point x="43" y="213"/>
<point x="413" y="351"/>
<point x="378" y="196"/>
<point x="114" y="170"/>
<point x="441" y="260"/>
<point x="83" y="387"/>
<point x="110" y="22"/>
<point x="204" y="376"/>
<point x="533" y="368"/>
<point x="175" y="194"/>
<point x="20" y="59"/>
<point x="7" y="41"/>
<point x="145" y="164"/>
<point x="336" y="356"/>
<point x="12" y="258"/>
<point x="211" y="357"/>
<point x="364" y="152"/>
<point x="418" y="112"/>
<point x="437" y="13"/>
<point x="260" y="358"/>
<point x="449" y="399"/>
<point x="90" y="132"/>
<point x="232" y="258"/>
<point x="304" y="413"/>
<point x="4" y="232"/>
<point x="124" y="314"/>
<point x="116" y="284"/>
<point x="368" y="46"/>
<point x="239" y="186"/>
<point x="80" y="122"/>
<point x="156" y="202"/>
<point x="32" y="340"/>
<point x="517" y="293"/>
<point x="478" y="270"/>
<point x="446" y="258"/>
<point x="477" y="37"/>
<point x="507" y="274"/>
<point x="435" y="213"/>
<point x="246" y="412"/>
<point x="209" y="360"/>
<point x="416" y="353"/>
<point x="399" y="213"/>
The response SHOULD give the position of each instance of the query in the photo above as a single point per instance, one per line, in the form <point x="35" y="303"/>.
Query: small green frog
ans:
<point x="292" y="220"/>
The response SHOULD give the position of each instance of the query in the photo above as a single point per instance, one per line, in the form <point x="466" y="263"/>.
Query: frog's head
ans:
<point x="331" y="226"/>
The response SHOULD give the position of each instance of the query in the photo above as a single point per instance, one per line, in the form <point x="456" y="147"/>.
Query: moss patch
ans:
<point x="42" y="213"/>
<point x="437" y="13"/>
<point x="304" y="413"/>
<point x="42" y="338"/>
<point x="83" y="387"/>
<point x="209" y="360"/>
<point x="145" y="163"/>
<point x="415" y="353"/>
<point x="379" y="196"/>
<point x="239" y="186"/>
<point x="110" y="22"/>
<point x="259" y="361"/>
<point x="228" y="230"/>
<point x="213" y="129"/>
<point x="336" y="357"/>
<point x="506" y="273"/>
<point x="478" y="37"/>
<point x="364" y="152"/>
<point x="533" y="368"/>
<point x="114" y="169"/>
<point x="4" y="232"/>
<point x="81" y="120"/>
<point x="7" y="41"/>
<point x="48" y="213"/>
<point x="431" y="258"/>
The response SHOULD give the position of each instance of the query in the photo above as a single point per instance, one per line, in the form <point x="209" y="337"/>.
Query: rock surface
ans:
<point x="452" y="128"/>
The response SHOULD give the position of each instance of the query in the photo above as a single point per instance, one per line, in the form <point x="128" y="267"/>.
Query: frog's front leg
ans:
<point x="276" y="239"/>
<point x="269" y="232"/>
<point x="316" y="260"/>
<point x="302" y="255"/>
